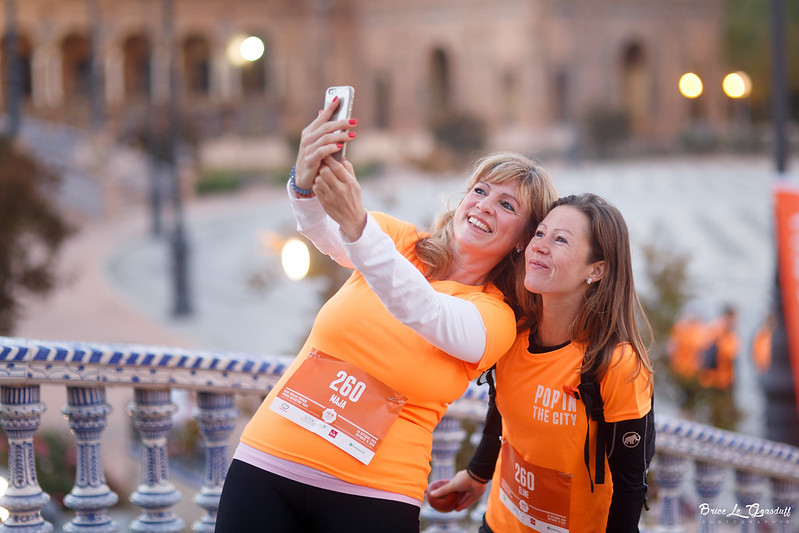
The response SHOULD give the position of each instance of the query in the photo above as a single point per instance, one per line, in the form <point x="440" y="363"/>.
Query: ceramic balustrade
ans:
<point x="693" y="467"/>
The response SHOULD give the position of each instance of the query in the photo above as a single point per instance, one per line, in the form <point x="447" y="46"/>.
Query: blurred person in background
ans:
<point x="717" y="375"/>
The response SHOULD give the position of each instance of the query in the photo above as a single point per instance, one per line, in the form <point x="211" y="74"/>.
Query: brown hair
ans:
<point x="535" y="192"/>
<point x="612" y="313"/>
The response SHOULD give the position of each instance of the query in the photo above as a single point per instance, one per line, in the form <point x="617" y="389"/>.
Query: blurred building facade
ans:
<point x="538" y="75"/>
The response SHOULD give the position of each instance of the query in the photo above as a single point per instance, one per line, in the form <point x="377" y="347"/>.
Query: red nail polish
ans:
<point x="351" y="134"/>
<point x="335" y="99"/>
<point x="353" y="121"/>
<point x="340" y="145"/>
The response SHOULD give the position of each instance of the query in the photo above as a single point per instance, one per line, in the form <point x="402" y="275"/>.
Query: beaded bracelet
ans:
<point x="300" y="193"/>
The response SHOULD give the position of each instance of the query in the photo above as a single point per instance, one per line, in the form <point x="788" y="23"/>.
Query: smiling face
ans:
<point x="558" y="257"/>
<point x="490" y="220"/>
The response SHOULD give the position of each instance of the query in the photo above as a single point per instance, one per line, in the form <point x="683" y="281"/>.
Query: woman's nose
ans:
<point x="486" y="205"/>
<point x="537" y="245"/>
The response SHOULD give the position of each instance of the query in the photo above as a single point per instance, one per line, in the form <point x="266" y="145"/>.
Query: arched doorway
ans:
<point x="440" y="86"/>
<point x="76" y="68"/>
<point x="196" y="66"/>
<point x="136" y="74"/>
<point x="635" y="87"/>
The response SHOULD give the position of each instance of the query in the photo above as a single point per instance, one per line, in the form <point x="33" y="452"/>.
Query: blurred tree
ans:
<point x="748" y="48"/>
<point x="670" y="289"/>
<point x="32" y="231"/>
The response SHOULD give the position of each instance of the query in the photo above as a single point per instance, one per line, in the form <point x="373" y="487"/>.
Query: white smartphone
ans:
<point x="346" y="94"/>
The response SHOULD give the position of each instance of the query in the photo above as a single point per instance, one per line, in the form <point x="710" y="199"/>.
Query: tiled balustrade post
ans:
<point x="785" y="496"/>
<point x="708" y="479"/>
<point x="750" y="489"/>
<point x="152" y="415"/>
<point x="90" y="498"/>
<point x="447" y="439"/>
<point x="216" y="417"/>
<point x="670" y="473"/>
<point x="20" y="417"/>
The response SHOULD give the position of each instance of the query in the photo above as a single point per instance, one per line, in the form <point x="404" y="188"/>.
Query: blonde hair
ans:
<point x="535" y="192"/>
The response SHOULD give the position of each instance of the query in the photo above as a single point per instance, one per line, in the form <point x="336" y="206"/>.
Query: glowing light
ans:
<point x="251" y="48"/>
<point x="737" y="85"/>
<point x="296" y="259"/>
<point x="690" y="85"/>
<point x="241" y="49"/>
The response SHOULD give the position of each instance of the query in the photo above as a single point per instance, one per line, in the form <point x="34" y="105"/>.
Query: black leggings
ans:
<point x="254" y="500"/>
<point x="484" y="527"/>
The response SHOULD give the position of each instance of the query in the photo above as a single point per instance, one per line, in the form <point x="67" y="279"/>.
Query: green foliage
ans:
<point x="220" y="182"/>
<point x="667" y="272"/>
<point x="667" y="276"/>
<point x="31" y="234"/>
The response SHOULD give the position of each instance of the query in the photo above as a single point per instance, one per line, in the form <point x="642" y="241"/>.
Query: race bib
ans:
<point x="537" y="496"/>
<point x="341" y="403"/>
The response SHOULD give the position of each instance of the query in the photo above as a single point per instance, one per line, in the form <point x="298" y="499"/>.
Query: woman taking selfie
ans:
<point x="583" y="353"/>
<point x="343" y="441"/>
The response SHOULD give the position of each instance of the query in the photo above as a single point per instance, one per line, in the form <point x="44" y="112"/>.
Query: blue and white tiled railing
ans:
<point x="692" y="461"/>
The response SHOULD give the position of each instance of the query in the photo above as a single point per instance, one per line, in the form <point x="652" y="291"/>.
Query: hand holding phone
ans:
<point x="346" y="95"/>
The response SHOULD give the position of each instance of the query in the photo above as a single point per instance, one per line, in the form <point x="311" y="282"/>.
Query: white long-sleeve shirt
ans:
<point x="452" y="324"/>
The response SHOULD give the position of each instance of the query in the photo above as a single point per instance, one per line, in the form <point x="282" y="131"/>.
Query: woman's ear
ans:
<point x="598" y="271"/>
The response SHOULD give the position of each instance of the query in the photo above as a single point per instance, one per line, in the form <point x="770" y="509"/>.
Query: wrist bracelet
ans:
<point x="483" y="481"/>
<point x="300" y="193"/>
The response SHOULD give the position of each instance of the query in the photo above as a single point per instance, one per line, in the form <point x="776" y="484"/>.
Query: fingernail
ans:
<point x="340" y="145"/>
<point x="353" y="121"/>
<point x="351" y="134"/>
<point x="335" y="98"/>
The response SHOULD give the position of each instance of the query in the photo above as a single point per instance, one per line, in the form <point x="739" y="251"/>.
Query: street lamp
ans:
<point x="738" y="86"/>
<point x="691" y="87"/>
<point x="782" y="415"/>
<point x="13" y="74"/>
<point x="180" y="248"/>
<point x="96" y="64"/>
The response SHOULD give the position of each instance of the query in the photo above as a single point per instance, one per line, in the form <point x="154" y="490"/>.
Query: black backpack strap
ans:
<point x="594" y="410"/>
<point x="489" y="376"/>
